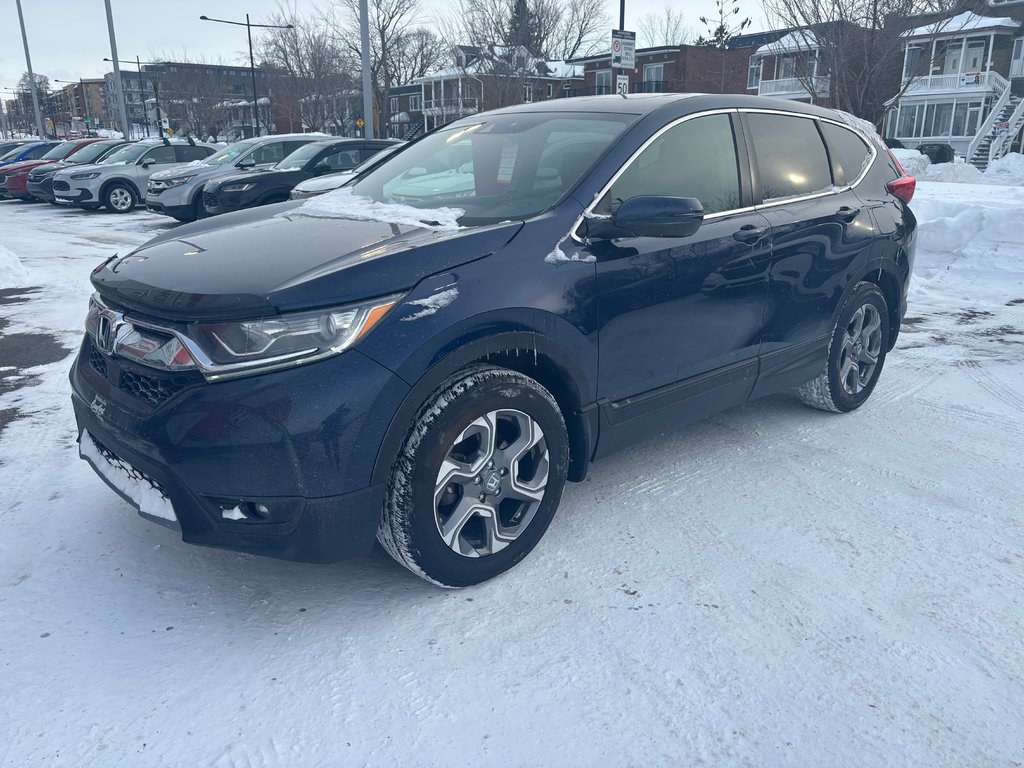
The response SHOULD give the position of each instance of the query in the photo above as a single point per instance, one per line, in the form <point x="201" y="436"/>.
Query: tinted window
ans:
<point x="60" y="151"/>
<point x="694" y="159"/>
<point x="161" y="154"/>
<point x="848" y="149"/>
<point x="37" y="152"/>
<point x="791" y="158"/>
<point x="269" y="153"/>
<point x="187" y="153"/>
<point x="342" y="160"/>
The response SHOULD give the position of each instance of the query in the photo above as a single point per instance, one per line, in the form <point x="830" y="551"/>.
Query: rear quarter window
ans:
<point x="791" y="157"/>
<point x="188" y="153"/>
<point x="848" y="149"/>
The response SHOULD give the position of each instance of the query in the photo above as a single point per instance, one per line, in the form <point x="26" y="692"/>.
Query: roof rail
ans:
<point x="167" y="141"/>
<point x="191" y="141"/>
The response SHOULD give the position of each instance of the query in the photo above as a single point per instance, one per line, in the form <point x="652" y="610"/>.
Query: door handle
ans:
<point x="847" y="214"/>
<point x="750" y="234"/>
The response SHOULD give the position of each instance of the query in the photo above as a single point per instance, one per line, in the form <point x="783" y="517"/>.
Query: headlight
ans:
<point x="178" y="181"/>
<point x="84" y="176"/>
<point x="237" y="187"/>
<point x="251" y="346"/>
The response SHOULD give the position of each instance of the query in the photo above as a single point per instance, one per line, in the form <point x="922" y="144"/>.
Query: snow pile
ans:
<point x="913" y="162"/>
<point x="958" y="172"/>
<point x="342" y="204"/>
<point x="12" y="273"/>
<point x="1007" y="170"/>
<point x="432" y="304"/>
<point x="862" y="125"/>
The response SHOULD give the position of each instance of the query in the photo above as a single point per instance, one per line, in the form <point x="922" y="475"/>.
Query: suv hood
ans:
<point x="255" y="263"/>
<point x="258" y="174"/>
<point x="199" y="170"/>
<point x="24" y="165"/>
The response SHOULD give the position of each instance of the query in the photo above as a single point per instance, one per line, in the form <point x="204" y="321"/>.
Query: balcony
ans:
<point x="441" y="107"/>
<point x="793" y="88"/>
<point x="976" y="82"/>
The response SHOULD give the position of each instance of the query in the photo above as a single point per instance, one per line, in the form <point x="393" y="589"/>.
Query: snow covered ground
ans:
<point x="773" y="586"/>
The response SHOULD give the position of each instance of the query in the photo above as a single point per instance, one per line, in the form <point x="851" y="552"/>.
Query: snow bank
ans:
<point x="12" y="273"/>
<point x="1007" y="170"/>
<point x="958" y="172"/>
<point x="913" y="162"/>
<point x="342" y="204"/>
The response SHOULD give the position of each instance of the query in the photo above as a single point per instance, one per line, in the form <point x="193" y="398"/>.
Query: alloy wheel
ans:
<point x="861" y="347"/>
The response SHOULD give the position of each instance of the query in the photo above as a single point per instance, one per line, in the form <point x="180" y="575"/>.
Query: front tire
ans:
<point x="856" y="353"/>
<point x="120" y="198"/>
<point x="478" y="479"/>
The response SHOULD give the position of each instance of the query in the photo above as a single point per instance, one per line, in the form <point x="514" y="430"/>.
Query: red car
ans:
<point x="14" y="177"/>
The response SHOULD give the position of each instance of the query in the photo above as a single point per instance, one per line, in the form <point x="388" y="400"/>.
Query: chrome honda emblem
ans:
<point x="105" y="330"/>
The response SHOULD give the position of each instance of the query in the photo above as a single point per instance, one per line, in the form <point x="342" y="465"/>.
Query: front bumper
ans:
<point x="277" y="464"/>
<point x="155" y="205"/>
<point x="73" y="196"/>
<point x="42" y="190"/>
<point x="15" y="186"/>
<point x="225" y="202"/>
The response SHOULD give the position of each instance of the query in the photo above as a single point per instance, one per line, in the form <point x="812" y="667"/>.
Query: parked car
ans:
<point x="8" y="145"/>
<point x="299" y="379"/>
<point x="14" y="176"/>
<point x="937" y="152"/>
<point x="31" y="151"/>
<point x="179" y="192"/>
<point x="116" y="182"/>
<point x="318" y="185"/>
<point x="40" y="179"/>
<point x="247" y="189"/>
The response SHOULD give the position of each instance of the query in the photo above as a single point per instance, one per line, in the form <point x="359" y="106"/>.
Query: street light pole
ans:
<point x="252" y="61"/>
<point x="118" y="89"/>
<point x="31" y="76"/>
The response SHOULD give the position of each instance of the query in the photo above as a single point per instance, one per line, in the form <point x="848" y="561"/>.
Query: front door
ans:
<point x="673" y="310"/>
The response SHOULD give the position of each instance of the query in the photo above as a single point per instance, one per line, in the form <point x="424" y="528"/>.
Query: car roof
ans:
<point x="641" y="104"/>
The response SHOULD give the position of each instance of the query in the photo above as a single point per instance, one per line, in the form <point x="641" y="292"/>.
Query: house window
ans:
<point x="551" y="90"/>
<point x="785" y="68"/>
<point x="603" y="81"/>
<point x="414" y="103"/>
<point x="1017" y="60"/>
<point x="393" y="104"/>
<point x="812" y="63"/>
<point x="654" y="78"/>
<point x="912" y="62"/>
<point x="754" y="72"/>
<point x="528" y="93"/>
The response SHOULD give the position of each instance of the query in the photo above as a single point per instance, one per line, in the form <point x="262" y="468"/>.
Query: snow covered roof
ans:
<point x="794" y="41"/>
<point x="964" y="22"/>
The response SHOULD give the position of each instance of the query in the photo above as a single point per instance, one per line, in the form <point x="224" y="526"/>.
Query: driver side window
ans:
<point x="696" y="158"/>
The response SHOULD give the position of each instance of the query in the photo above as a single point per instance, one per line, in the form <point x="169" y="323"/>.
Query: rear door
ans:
<point x="820" y="231"/>
<point x="674" y="310"/>
<point x="161" y="155"/>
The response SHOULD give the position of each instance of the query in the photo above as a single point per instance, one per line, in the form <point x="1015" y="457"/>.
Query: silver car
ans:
<point x="118" y="182"/>
<point x="178" y="192"/>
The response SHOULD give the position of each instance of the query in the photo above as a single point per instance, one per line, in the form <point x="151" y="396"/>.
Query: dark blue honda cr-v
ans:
<point x="426" y="355"/>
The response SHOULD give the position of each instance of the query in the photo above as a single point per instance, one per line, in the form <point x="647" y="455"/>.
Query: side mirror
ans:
<point x="148" y="162"/>
<point x="246" y="162"/>
<point x="650" y="216"/>
<point x="321" y="168"/>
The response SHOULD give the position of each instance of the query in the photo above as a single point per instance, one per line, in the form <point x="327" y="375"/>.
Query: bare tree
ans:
<point x="721" y="30"/>
<point x="308" y="71"/>
<point x="390" y="21"/>
<point x="665" y="28"/>
<point x="858" y="43"/>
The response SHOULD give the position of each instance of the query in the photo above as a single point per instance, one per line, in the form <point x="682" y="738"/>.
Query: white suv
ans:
<point x="119" y="182"/>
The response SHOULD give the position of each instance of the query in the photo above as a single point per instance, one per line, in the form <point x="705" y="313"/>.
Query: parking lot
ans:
<point x="771" y="586"/>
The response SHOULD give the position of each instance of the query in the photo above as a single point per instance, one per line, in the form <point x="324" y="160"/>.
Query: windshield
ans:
<point x="90" y="152"/>
<point x="127" y="154"/>
<point x="60" y="151"/>
<point x="300" y="157"/>
<point x="507" y="166"/>
<point x="229" y="154"/>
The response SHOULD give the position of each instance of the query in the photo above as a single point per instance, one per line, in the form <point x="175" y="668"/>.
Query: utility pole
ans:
<point x="31" y="76"/>
<point x="364" y="34"/>
<point x="118" y="89"/>
<point x="142" y="97"/>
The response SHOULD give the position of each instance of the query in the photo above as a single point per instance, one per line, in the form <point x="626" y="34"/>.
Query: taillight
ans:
<point x="903" y="188"/>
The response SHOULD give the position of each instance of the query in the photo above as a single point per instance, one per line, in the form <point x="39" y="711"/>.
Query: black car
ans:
<point x="937" y="152"/>
<point x="40" y="179"/>
<point x="428" y="369"/>
<point x="273" y="185"/>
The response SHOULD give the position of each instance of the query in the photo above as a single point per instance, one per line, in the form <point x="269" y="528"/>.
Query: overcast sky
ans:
<point x="68" y="38"/>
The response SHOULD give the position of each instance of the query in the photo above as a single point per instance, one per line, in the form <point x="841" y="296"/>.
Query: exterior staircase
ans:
<point x="414" y="132"/>
<point x="1001" y="130"/>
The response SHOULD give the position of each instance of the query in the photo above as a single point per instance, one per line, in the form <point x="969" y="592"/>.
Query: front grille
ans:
<point x="97" y="361"/>
<point x="209" y="200"/>
<point x="117" y="462"/>
<point x="35" y="178"/>
<point x="149" y="388"/>
<point x="61" y="186"/>
<point x="2" y="178"/>
<point x="154" y="190"/>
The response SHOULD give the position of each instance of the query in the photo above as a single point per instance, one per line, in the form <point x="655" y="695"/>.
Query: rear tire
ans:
<point x="478" y="479"/>
<point x="856" y="353"/>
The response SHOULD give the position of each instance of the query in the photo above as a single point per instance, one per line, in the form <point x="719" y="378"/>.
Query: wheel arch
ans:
<point x="119" y="180"/>
<point x="527" y="352"/>
<point x="886" y="277"/>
